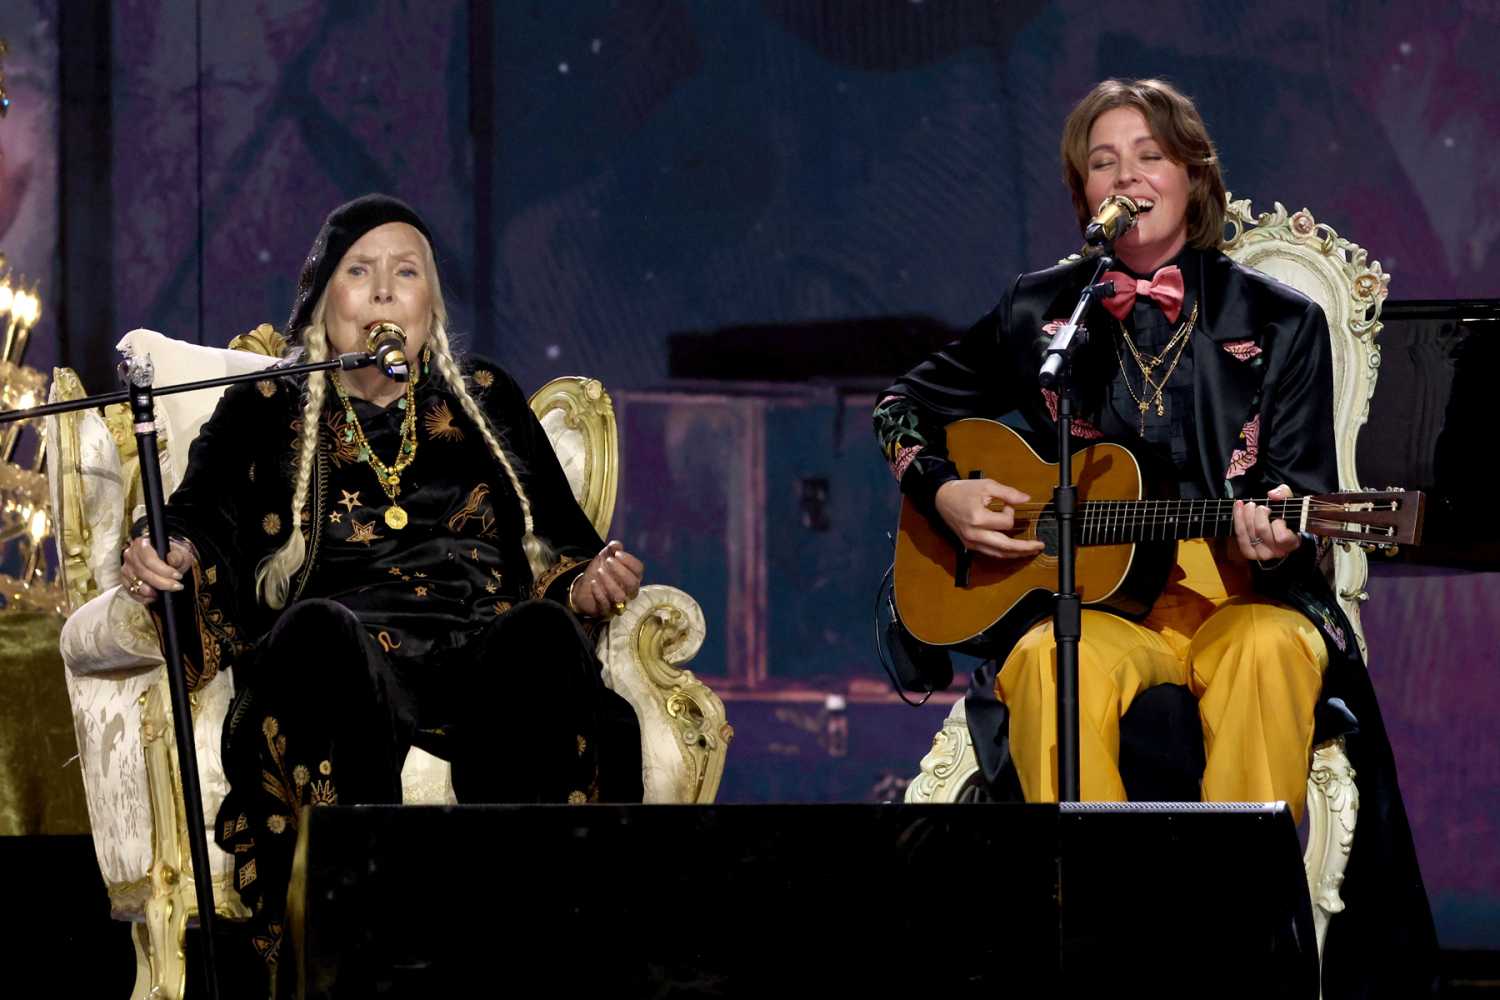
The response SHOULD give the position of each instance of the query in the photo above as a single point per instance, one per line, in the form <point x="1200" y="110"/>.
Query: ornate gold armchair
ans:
<point x="1338" y="275"/>
<point x="118" y="687"/>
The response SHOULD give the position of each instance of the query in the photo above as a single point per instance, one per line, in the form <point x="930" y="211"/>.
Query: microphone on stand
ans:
<point x="386" y="343"/>
<point x="1115" y="217"/>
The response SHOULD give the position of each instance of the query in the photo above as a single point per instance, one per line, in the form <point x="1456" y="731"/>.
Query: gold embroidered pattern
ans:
<point x="247" y="873"/>
<point x="251" y="472"/>
<point x="421" y="591"/>
<point x="278" y="784"/>
<point x="439" y="422"/>
<point x="484" y="379"/>
<point x="394" y="571"/>
<point x="474" y="507"/>
<point x="350" y="501"/>
<point x="386" y="643"/>
<point x="490" y="587"/>
<point x="583" y="745"/>
<point x="291" y="788"/>
<point x="325" y="768"/>
<point x="557" y="569"/>
<point x="335" y="517"/>
<point x="212" y="632"/>
<point x="577" y="798"/>
<point x="271" y="523"/>
<point x="345" y="449"/>
<point x="267" y="388"/>
<point x="363" y="533"/>
<point x="211" y="575"/>
<point x="268" y="945"/>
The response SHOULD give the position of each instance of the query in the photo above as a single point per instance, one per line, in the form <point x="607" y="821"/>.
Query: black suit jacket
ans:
<point x="1263" y="409"/>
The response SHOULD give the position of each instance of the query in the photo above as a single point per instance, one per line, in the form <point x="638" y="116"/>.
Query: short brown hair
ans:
<point x="1175" y="123"/>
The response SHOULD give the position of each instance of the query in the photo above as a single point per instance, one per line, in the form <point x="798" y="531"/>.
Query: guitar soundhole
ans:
<point x="1046" y="533"/>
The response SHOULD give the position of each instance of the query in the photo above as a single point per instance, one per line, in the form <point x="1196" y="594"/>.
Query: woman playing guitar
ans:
<point x="1224" y="377"/>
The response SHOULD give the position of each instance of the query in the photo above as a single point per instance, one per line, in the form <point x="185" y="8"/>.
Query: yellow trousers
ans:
<point x="1255" y="666"/>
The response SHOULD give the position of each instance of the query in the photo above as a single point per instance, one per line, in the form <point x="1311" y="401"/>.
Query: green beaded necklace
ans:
<point x="389" y="476"/>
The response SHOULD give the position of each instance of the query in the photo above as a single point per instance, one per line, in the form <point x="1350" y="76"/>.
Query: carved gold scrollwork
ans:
<point x="949" y="765"/>
<point x="1340" y="276"/>
<point x="662" y="638"/>
<point x="73" y="535"/>
<point x="1332" y="812"/>
<point x="586" y="408"/>
<point x="262" y="340"/>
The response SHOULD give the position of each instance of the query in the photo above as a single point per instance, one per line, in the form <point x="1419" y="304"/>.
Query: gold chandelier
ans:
<point x="25" y="520"/>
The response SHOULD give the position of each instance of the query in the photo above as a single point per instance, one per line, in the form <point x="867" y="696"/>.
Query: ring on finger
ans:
<point x="1254" y="541"/>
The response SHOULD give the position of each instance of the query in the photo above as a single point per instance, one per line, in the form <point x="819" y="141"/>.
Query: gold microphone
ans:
<point x="1115" y="217"/>
<point x="387" y="343"/>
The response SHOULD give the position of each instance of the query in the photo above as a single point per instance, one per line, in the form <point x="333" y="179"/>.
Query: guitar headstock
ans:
<point x="1382" y="518"/>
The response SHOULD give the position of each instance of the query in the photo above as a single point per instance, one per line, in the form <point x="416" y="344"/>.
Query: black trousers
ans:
<point x="324" y="715"/>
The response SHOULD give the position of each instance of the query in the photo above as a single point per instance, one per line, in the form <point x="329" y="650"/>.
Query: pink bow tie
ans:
<point x="1166" y="289"/>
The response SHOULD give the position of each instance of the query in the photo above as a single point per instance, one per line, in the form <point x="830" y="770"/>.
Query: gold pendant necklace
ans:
<point x="388" y="476"/>
<point x="1152" y="391"/>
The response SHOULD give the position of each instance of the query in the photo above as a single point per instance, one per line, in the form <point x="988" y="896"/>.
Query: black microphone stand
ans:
<point x="141" y="394"/>
<point x="1067" y="616"/>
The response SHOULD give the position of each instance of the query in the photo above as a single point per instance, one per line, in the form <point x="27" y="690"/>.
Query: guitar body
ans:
<point x="944" y="602"/>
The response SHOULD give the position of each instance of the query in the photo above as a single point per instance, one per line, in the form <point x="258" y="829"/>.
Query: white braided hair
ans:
<point x="273" y="576"/>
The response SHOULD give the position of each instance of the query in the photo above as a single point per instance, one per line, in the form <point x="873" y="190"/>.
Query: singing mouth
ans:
<point x="1144" y="205"/>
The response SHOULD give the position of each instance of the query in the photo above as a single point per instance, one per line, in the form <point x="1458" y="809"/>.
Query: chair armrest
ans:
<point x="109" y="634"/>
<point x="684" y="732"/>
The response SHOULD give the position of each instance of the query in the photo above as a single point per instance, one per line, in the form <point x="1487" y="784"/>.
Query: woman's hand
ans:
<point x="963" y="505"/>
<point x="1259" y="537"/>
<point x="610" y="582"/>
<point x="146" y="575"/>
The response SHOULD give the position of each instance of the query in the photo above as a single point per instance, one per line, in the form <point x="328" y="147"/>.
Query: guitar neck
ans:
<point x="1120" y="522"/>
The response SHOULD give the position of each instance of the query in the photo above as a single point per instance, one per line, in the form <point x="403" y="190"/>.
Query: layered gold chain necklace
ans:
<point x="389" y="476"/>
<point x="1152" y="389"/>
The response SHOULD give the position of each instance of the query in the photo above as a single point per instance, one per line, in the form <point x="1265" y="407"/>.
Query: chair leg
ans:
<point x="1332" y="810"/>
<point x="949" y="765"/>
<point x="140" y="938"/>
<point x="165" y="930"/>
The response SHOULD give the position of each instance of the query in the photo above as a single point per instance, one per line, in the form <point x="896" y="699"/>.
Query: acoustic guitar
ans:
<point x="1127" y="541"/>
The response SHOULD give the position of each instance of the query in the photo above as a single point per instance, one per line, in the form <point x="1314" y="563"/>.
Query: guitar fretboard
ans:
<point x="1119" y="522"/>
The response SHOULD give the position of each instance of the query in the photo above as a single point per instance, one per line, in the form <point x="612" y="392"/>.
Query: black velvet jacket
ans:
<point x="1263" y="400"/>
<point x="424" y="588"/>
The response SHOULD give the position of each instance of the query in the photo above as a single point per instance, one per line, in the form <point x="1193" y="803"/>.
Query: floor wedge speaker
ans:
<point x="949" y="901"/>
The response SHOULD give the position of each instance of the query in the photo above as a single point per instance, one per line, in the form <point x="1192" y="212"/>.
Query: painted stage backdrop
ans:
<point x="614" y="184"/>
